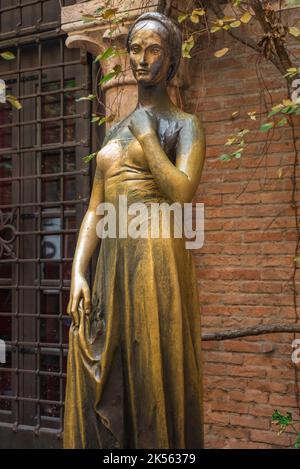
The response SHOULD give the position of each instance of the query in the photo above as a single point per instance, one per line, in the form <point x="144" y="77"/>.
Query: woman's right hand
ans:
<point x="80" y="290"/>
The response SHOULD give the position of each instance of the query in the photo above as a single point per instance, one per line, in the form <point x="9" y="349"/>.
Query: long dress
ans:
<point x="134" y="366"/>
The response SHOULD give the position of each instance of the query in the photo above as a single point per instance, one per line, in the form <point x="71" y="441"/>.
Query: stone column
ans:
<point x="95" y="36"/>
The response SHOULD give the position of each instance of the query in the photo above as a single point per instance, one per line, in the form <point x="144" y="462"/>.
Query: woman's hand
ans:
<point x="80" y="290"/>
<point x="142" y="123"/>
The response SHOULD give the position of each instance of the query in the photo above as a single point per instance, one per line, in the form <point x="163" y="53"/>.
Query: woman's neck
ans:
<point x="154" y="97"/>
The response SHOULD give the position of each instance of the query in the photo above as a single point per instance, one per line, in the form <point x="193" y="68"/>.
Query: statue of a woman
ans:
<point x="134" y="365"/>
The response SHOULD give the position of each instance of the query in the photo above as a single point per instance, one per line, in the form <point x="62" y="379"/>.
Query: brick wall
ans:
<point x="247" y="261"/>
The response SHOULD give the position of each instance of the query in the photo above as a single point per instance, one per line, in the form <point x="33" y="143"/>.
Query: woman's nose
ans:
<point x="143" y="60"/>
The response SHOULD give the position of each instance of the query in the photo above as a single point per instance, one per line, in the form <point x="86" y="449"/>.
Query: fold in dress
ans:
<point x="134" y="365"/>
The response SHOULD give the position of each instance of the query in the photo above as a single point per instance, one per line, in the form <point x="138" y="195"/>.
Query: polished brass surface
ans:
<point x="134" y="367"/>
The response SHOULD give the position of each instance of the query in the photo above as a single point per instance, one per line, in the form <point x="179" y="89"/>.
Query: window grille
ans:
<point x="44" y="190"/>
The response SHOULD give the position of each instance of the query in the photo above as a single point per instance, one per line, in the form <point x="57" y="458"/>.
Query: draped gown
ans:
<point x="134" y="366"/>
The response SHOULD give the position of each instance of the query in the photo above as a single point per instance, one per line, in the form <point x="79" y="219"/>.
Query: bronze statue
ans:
<point x="134" y="366"/>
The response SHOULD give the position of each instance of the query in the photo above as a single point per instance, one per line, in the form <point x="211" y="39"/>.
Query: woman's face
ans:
<point x="148" y="52"/>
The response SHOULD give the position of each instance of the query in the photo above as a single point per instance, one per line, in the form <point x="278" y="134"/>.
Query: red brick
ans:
<point x="282" y="400"/>
<point x="271" y="437"/>
<point x="230" y="407"/>
<point x="245" y="267"/>
<point x="249" y="396"/>
<point x="230" y="432"/>
<point x="242" y="345"/>
<point x="249" y="421"/>
<point x="217" y="417"/>
<point x="224" y="357"/>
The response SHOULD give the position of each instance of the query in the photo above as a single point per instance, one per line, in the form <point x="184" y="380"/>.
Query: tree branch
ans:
<point x="218" y="11"/>
<point x="281" y="59"/>
<point x="164" y="6"/>
<point x="282" y="53"/>
<point x="251" y="331"/>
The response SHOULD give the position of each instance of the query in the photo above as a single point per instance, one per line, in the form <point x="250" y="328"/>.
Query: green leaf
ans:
<point x="252" y="115"/>
<point x="221" y="52"/>
<point x="117" y="68"/>
<point x="292" y="72"/>
<point x="267" y="126"/>
<point x="88" y="18"/>
<point x="194" y="18"/>
<point x="282" y="420"/>
<point x="214" y="29"/>
<point x="187" y="47"/>
<point x="102" y="121"/>
<point x="109" y="13"/>
<point x="228" y="19"/>
<point x="106" y="78"/>
<point x="294" y="31"/>
<point x="282" y="122"/>
<point x="287" y="110"/>
<point x="230" y="140"/>
<point x="108" y="118"/>
<point x="182" y="18"/>
<point x="292" y="2"/>
<point x="225" y="157"/>
<point x="98" y="10"/>
<point x="246" y="17"/>
<point x="14" y="102"/>
<point x="275" y="110"/>
<point x="110" y="75"/>
<point x="7" y="55"/>
<point x="297" y="442"/>
<point x="109" y="52"/>
<point x="88" y="158"/>
<point x="243" y="132"/>
<point x="90" y="97"/>
<point x="198" y="11"/>
<point x="235" y="24"/>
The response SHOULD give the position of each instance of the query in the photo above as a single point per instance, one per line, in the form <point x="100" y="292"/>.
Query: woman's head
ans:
<point x="154" y="47"/>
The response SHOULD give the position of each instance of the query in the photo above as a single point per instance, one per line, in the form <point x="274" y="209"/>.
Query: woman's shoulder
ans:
<point x="188" y="120"/>
<point x="189" y="117"/>
<point x="115" y="129"/>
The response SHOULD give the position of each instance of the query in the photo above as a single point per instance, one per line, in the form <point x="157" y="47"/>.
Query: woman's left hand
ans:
<point x="142" y="123"/>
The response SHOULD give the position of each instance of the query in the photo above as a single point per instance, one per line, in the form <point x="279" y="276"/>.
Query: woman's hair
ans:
<point x="173" y="36"/>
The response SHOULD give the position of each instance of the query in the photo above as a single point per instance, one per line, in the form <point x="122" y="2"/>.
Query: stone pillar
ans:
<point x="95" y="36"/>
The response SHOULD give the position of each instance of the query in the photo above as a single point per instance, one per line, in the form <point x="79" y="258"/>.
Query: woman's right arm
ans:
<point x="86" y="245"/>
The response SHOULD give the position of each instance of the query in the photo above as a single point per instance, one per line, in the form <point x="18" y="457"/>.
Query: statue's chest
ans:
<point x="120" y="153"/>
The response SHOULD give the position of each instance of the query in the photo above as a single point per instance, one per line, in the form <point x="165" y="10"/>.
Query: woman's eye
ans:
<point x="134" y="50"/>
<point x="156" y="50"/>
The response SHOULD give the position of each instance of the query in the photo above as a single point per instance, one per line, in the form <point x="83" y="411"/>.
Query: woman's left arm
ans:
<point x="178" y="183"/>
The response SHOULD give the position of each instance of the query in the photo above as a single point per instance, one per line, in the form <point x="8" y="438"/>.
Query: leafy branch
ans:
<point x="274" y="34"/>
<point x="12" y="100"/>
<point x="285" y="421"/>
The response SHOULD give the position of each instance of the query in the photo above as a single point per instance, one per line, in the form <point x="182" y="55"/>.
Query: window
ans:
<point x="44" y="190"/>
